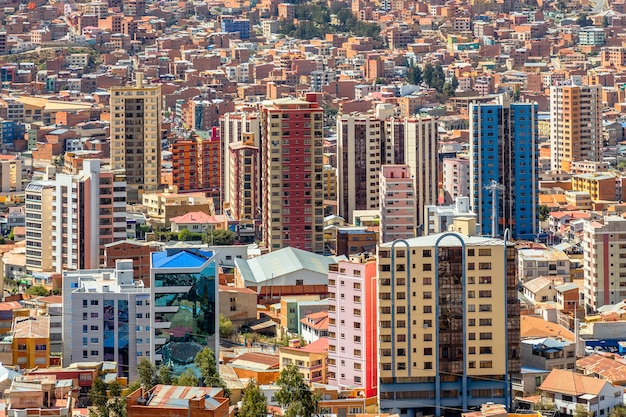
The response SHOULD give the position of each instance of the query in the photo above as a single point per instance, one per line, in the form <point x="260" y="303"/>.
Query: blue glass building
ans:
<point x="242" y="26"/>
<point x="504" y="149"/>
<point x="184" y="309"/>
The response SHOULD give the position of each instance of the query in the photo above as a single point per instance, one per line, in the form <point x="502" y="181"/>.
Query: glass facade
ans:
<point x="191" y="325"/>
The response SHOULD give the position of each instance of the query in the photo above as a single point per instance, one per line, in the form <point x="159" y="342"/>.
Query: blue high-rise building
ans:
<point x="504" y="150"/>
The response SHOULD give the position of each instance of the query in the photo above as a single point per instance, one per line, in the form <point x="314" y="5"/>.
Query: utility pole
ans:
<point x="494" y="186"/>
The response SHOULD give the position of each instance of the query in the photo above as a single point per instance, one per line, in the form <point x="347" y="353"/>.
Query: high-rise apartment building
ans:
<point x="352" y="327"/>
<point x="359" y="140"/>
<point x="39" y="207"/>
<point x="456" y="178"/>
<point x="292" y="194"/>
<point x="196" y="163"/>
<point x="136" y="136"/>
<point x="604" y="252"/>
<point x="72" y="218"/>
<point x="366" y="142"/>
<point x="397" y="203"/>
<point x="449" y="325"/>
<point x="243" y="178"/>
<point x="106" y="317"/>
<point x="575" y="125"/>
<point x="504" y="150"/>
<point x="240" y="126"/>
<point x="420" y="150"/>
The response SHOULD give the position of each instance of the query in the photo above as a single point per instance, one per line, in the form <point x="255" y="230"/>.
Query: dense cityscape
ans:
<point x="359" y="208"/>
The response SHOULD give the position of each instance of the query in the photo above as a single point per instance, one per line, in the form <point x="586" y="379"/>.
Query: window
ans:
<point x="94" y="302"/>
<point x="428" y="337"/>
<point x="428" y="365"/>
<point x="486" y="350"/>
<point x="485" y="336"/>
<point x="299" y="282"/>
<point x="485" y="322"/>
<point x="485" y="307"/>
<point x="357" y="353"/>
<point x="428" y="351"/>
<point x="426" y="253"/>
<point x="427" y="267"/>
<point x="428" y="309"/>
<point x="486" y="364"/>
<point x="94" y="315"/>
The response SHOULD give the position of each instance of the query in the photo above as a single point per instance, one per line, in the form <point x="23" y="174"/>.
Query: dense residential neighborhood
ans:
<point x="220" y="208"/>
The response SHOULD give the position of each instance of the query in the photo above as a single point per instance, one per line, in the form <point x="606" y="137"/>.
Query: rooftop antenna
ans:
<point x="494" y="186"/>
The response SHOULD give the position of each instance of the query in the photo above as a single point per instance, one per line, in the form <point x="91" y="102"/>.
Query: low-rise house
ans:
<point x="314" y="326"/>
<point x="548" y="353"/>
<point x="310" y="360"/>
<point x="175" y="401"/>
<point x="572" y="393"/>
<point x="605" y="366"/>
<point x="38" y="397"/>
<point x="285" y="272"/>
<point x="540" y="290"/>
<point x="264" y="368"/>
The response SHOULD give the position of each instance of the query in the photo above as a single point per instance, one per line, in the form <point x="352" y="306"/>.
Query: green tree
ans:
<point x="11" y="235"/>
<point x="187" y="379"/>
<point x="584" y="21"/>
<point x="209" y="370"/>
<point x="254" y="403"/>
<point x="618" y="411"/>
<point x="414" y="75"/>
<point x="106" y="401"/>
<point x="294" y="395"/>
<point x="226" y="327"/>
<point x="544" y="212"/>
<point x="164" y="375"/>
<point x="582" y="412"/>
<point x="448" y="90"/>
<point x="455" y="82"/>
<point x="428" y="74"/>
<point x="220" y="237"/>
<point x="438" y="78"/>
<point x="147" y="373"/>
<point x="184" y="235"/>
<point x="37" y="291"/>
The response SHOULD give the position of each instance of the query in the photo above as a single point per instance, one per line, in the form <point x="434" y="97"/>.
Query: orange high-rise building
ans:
<point x="196" y="163"/>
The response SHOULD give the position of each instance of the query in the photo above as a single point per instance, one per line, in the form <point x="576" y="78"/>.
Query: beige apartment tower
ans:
<point x="575" y="124"/>
<point x="136" y="136"/>
<point x="448" y="325"/>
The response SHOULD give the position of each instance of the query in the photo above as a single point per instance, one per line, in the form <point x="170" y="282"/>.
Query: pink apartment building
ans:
<point x="456" y="178"/>
<point x="397" y="203"/>
<point x="352" y="325"/>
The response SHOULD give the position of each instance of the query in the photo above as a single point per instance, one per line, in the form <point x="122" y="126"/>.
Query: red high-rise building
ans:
<point x="292" y="187"/>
